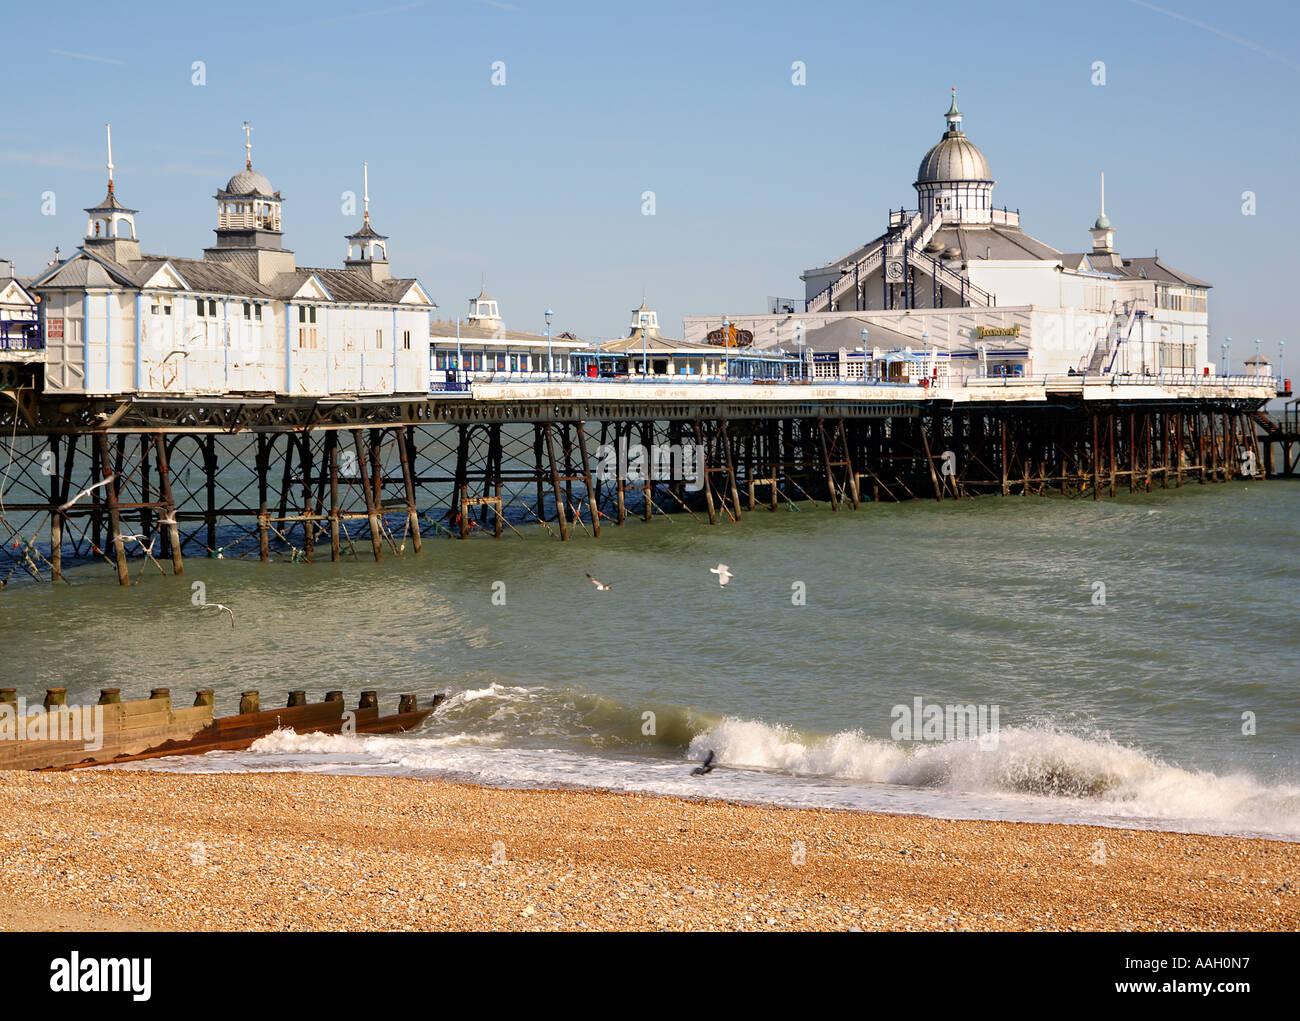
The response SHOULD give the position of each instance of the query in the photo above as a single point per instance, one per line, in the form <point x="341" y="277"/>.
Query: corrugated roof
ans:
<point x="979" y="241"/>
<point x="366" y="231"/>
<point x="396" y="287"/>
<point x="202" y="275"/>
<point x="1154" y="269"/>
<point x="110" y="204"/>
<point x="445" y="329"/>
<point x="349" y="285"/>
<point x="242" y="260"/>
<point x="1150" y="268"/>
<point x="84" y="270"/>
<point x="847" y="333"/>
<point x="654" y="342"/>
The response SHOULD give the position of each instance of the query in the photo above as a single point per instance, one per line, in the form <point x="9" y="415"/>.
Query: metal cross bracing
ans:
<point x="151" y="486"/>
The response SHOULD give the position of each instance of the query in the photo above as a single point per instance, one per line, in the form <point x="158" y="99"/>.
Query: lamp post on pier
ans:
<point x="1223" y="364"/>
<point x="798" y="339"/>
<point x="549" y="360"/>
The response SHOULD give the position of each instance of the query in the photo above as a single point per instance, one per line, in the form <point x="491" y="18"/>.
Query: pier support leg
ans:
<point x="332" y="456"/>
<point x="210" y="482"/>
<point x="169" y="503"/>
<point x="264" y="444"/>
<point x="929" y="463"/>
<point x="593" y="501"/>
<point x="1096" y="459"/>
<point x="406" y="446"/>
<point x="114" y="518"/>
<point x="308" y="523"/>
<point x="372" y="512"/>
<point x="706" y="468"/>
<point x="560" y="515"/>
<point x="56" y="515"/>
<point x="725" y="440"/>
<point x="1006" y="489"/>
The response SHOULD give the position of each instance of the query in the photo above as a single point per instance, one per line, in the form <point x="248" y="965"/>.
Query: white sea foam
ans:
<point x="1093" y="773"/>
<point x="499" y="691"/>
<point x="1035" y="773"/>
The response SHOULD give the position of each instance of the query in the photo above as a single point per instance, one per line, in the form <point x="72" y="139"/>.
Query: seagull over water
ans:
<point x="723" y="572"/>
<point x="222" y="606"/>
<point x="86" y="492"/>
<point x="600" y="585"/>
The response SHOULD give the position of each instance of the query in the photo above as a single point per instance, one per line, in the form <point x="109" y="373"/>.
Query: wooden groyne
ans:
<point x="59" y="736"/>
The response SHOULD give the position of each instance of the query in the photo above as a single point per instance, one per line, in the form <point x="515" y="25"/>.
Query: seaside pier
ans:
<point x="166" y="479"/>
<point x="241" y="405"/>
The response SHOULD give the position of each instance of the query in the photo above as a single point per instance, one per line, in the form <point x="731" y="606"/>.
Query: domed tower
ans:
<point x="367" y="241"/>
<point x="110" y="231"/>
<point x="954" y="180"/>
<point x="248" y="223"/>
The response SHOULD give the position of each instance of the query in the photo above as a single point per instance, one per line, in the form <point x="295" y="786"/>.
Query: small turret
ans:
<point x="367" y="241"/>
<point x="1103" y="234"/>
<point x="483" y="311"/>
<point x="110" y="231"/>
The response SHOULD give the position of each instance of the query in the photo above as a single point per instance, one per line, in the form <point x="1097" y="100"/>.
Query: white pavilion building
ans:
<point x="959" y="276"/>
<point x="242" y="319"/>
<point x="479" y="347"/>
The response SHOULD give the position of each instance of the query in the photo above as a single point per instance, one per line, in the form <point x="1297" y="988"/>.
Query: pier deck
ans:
<point x="243" y="475"/>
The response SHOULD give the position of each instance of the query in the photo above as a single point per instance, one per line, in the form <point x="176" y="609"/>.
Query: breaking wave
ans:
<point x="533" y="736"/>
<point x="1100" y="774"/>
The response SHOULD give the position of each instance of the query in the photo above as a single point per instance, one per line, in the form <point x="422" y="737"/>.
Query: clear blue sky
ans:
<point x="538" y="183"/>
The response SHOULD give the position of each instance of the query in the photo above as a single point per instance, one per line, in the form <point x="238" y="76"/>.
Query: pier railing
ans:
<point x="1052" y="381"/>
<point x="21" y="335"/>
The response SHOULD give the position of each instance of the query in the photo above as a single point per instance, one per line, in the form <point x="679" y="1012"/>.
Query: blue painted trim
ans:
<point x="225" y="315"/>
<point x="108" y="341"/>
<point x="288" y="348"/>
<point x="138" y="296"/>
<point x="185" y="358"/>
<point x="85" y="342"/>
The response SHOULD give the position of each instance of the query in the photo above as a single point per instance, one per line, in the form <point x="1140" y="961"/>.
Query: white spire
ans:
<point x="248" y="146"/>
<point x="109" y="129"/>
<point x="365" y="189"/>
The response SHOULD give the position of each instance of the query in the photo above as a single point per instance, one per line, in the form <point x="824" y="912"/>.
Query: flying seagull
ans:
<point x="222" y="606"/>
<point x="706" y="767"/>
<point x="599" y="584"/>
<point x="723" y="572"/>
<point x="86" y="492"/>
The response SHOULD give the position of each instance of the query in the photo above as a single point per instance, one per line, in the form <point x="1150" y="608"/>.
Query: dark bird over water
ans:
<point x="707" y="767"/>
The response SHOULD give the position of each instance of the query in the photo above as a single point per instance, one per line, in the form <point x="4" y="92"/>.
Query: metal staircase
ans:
<point x="1111" y="336"/>
<point x="905" y="241"/>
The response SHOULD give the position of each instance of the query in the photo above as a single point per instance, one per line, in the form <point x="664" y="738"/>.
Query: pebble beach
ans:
<point x="118" y="850"/>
